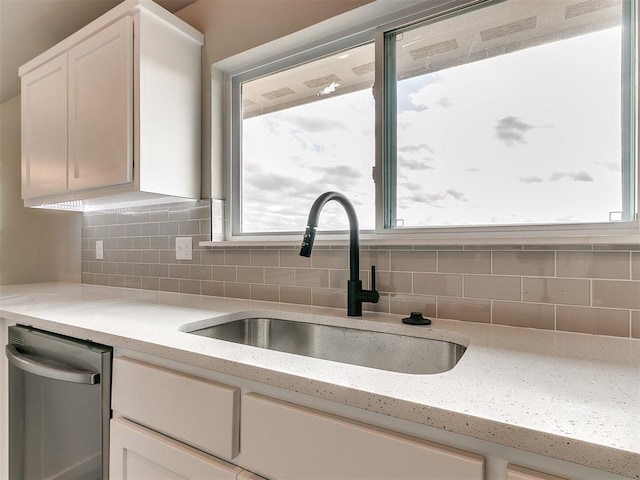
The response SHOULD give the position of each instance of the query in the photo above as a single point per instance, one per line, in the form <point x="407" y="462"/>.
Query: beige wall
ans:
<point x="234" y="26"/>
<point x="35" y="245"/>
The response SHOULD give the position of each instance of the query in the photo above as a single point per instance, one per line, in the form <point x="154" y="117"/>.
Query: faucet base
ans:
<point x="356" y="296"/>
<point x="354" y="306"/>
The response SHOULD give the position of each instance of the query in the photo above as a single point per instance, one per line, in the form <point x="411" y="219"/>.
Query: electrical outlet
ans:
<point x="184" y="247"/>
<point x="99" y="250"/>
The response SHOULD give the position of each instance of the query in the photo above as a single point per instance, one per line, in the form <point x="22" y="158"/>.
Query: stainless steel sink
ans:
<point x="384" y="351"/>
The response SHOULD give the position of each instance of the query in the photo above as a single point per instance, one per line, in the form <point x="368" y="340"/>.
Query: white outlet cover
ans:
<point x="99" y="250"/>
<point x="184" y="248"/>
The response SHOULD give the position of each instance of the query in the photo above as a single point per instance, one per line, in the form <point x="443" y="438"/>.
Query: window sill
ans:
<point x="614" y="237"/>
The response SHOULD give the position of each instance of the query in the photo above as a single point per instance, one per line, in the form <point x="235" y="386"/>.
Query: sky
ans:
<point x="532" y="136"/>
<point x="528" y="137"/>
<point x="294" y="155"/>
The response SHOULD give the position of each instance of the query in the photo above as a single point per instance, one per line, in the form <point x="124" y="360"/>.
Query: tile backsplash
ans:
<point x="579" y="288"/>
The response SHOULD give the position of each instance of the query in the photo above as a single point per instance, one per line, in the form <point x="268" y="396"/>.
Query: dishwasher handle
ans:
<point x="50" y="369"/>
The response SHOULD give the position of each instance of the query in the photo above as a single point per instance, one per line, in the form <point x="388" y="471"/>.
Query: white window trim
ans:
<point x="350" y="29"/>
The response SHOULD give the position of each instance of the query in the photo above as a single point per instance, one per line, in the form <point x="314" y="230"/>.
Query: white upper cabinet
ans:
<point x="101" y="108"/>
<point x="44" y="129"/>
<point x="111" y="115"/>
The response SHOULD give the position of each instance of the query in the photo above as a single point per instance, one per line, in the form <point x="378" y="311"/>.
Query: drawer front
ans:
<point x="285" y="441"/>
<point x="247" y="475"/>
<point x="138" y="453"/>
<point x="198" y="412"/>
<point x="515" y="472"/>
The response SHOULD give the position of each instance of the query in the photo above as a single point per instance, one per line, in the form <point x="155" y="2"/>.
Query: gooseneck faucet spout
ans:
<point x="355" y="294"/>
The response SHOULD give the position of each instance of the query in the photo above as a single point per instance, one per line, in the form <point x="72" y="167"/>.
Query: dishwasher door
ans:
<point x="59" y="406"/>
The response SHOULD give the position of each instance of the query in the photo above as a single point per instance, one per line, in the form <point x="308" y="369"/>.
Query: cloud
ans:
<point x="565" y="219"/>
<point x="415" y="157"/>
<point x="414" y="187"/>
<point x="409" y="164"/>
<point x="411" y="94"/>
<point x="531" y="179"/>
<point x="444" y="102"/>
<point x="577" y="176"/>
<point x="263" y="183"/>
<point x="457" y="195"/>
<point x="264" y="207"/>
<point x="316" y="147"/>
<point x="272" y="181"/>
<point x="416" y="148"/>
<point x="338" y="171"/>
<point x="432" y="199"/>
<point x="342" y="178"/>
<point x="512" y="130"/>
<point x="314" y="125"/>
<point x="613" y="166"/>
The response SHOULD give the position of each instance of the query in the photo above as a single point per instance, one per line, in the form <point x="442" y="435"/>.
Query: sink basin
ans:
<point x="384" y="351"/>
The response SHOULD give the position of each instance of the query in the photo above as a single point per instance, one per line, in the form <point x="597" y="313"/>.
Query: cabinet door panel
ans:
<point x="101" y="108"/>
<point x="44" y="129"/>
<point x="140" y="454"/>
<point x="195" y="411"/>
<point x="285" y="441"/>
<point x="247" y="475"/>
<point x="515" y="472"/>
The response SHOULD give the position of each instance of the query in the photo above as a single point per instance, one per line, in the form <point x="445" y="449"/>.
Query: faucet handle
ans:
<point x="373" y="278"/>
<point x="371" y="295"/>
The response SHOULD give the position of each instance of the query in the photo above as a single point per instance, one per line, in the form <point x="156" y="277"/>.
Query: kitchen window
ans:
<point x="306" y="130"/>
<point x="493" y="119"/>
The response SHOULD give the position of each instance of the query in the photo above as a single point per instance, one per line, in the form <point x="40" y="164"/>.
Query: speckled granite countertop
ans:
<point x="570" y="396"/>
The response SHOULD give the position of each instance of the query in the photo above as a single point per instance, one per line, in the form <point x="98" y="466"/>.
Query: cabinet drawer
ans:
<point x="247" y="475"/>
<point x="285" y="441"/>
<point x="515" y="472"/>
<point x="195" y="411"/>
<point x="137" y="453"/>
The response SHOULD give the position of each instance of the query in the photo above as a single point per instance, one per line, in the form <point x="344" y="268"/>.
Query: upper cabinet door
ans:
<point x="44" y="129"/>
<point x="101" y="108"/>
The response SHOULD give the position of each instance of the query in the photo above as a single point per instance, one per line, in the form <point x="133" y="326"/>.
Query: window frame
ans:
<point x="373" y="29"/>
<point x="235" y="83"/>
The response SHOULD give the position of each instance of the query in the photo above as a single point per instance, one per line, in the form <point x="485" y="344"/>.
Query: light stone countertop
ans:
<point x="570" y="396"/>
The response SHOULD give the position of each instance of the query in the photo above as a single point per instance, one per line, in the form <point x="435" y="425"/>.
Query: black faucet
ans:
<point x="355" y="294"/>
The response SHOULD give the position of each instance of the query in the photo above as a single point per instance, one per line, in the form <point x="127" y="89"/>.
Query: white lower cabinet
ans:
<point x="193" y="410"/>
<point x="285" y="441"/>
<point x="515" y="472"/>
<point x="169" y="424"/>
<point x="247" y="475"/>
<point x="137" y="453"/>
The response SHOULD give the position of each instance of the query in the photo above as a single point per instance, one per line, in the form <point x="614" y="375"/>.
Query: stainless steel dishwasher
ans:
<point x="59" y="406"/>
